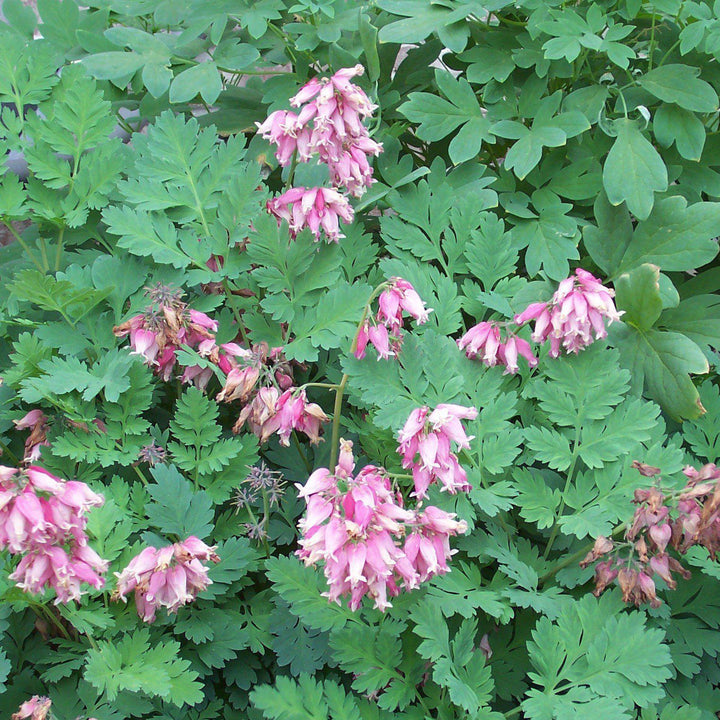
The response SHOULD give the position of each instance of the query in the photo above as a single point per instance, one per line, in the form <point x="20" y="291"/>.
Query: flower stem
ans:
<point x="236" y="310"/>
<point x="24" y="245"/>
<point x="337" y="412"/>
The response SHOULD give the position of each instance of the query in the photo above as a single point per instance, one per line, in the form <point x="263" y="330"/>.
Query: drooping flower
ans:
<point x="429" y="435"/>
<point x="318" y="208"/>
<point x="575" y="317"/>
<point x="43" y="518"/>
<point x="169" y="577"/>
<point x="484" y="342"/>
<point x="36" y="708"/>
<point x="36" y="422"/>
<point x="385" y="330"/>
<point x="369" y="543"/>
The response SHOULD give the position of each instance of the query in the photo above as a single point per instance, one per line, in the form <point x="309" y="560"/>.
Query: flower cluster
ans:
<point x="484" y="341"/>
<point x="169" y="577"/>
<point x="429" y="435"/>
<point x="36" y="708"/>
<point x="385" y="330"/>
<point x="316" y="208"/>
<point x="43" y="518"/>
<point x="694" y="519"/>
<point x="329" y="125"/>
<point x="36" y="422"/>
<point x="166" y="326"/>
<point x="572" y="320"/>
<point x="271" y="403"/>
<point x="369" y="543"/>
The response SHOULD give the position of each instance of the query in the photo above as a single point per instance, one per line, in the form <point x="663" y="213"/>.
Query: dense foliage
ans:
<point x="229" y="331"/>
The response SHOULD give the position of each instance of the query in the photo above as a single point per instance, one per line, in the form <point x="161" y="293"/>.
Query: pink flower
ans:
<point x="483" y="342"/>
<point x="169" y="577"/>
<point x="429" y="435"/>
<point x="357" y="527"/>
<point x="36" y="422"/>
<point x="385" y="331"/>
<point x="296" y="413"/>
<point x="315" y="208"/>
<point x="43" y="519"/>
<point x="36" y="708"/>
<point x="575" y="316"/>
<point x="283" y="129"/>
<point x="329" y="124"/>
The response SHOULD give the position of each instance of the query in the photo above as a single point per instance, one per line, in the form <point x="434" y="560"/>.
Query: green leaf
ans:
<point x="673" y="124"/>
<point x="422" y="19"/>
<point x="439" y="117"/>
<point x="633" y="170"/>
<point x="662" y="362"/>
<point x="703" y="433"/>
<point x="301" y="588"/>
<point x="202" y="79"/>
<point x="146" y="234"/>
<point x="550" y="447"/>
<point x="235" y="55"/>
<point x="176" y="509"/>
<point x="675" y="236"/>
<point x="595" y="659"/>
<point x="638" y="296"/>
<point x="680" y="84"/>
<point x="304" y="699"/>
<point x="113" y="65"/>
<point x="537" y="501"/>
<point x="133" y="664"/>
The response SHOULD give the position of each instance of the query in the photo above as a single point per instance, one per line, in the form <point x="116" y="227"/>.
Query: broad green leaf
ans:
<point x="674" y="236"/>
<point x="133" y="664"/>
<point x="203" y="79"/>
<point x="638" y="296"/>
<point x="673" y="124"/>
<point x="113" y="65"/>
<point x="595" y="662"/>
<point x="438" y="117"/>
<point x="681" y="85"/>
<point x="662" y="362"/>
<point x="633" y="170"/>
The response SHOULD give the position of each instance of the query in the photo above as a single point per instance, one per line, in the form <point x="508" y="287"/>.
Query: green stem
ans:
<point x="261" y="73"/>
<point x="665" y="56"/>
<point x="340" y="389"/>
<point x="514" y="711"/>
<point x="24" y="245"/>
<point x="329" y="386"/>
<point x="291" y="171"/>
<point x="236" y="310"/>
<point x="301" y="452"/>
<point x="651" y="48"/>
<point x="9" y="453"/>
<point x="337" y="412"/>
<point x="568" y="480"/>
<point x="43" y="254"/>
<point x="59" y="250"/>
<point x="575" y="557"/>
<point x="140" y="474"/>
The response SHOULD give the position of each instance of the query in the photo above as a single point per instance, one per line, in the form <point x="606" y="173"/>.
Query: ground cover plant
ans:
<point x="358" y="360"/>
